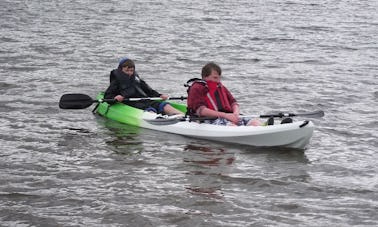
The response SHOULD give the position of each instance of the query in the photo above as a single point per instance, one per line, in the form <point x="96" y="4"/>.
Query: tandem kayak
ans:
<point x="291" y="135"/>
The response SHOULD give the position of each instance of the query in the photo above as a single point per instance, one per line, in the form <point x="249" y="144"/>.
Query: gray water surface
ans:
<point x="73" y="168"/>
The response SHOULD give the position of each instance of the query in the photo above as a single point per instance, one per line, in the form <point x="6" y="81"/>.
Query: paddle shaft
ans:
<point x="154" y="98"/>
<point x="315" y="114"/>
<point x="82" y="101"/>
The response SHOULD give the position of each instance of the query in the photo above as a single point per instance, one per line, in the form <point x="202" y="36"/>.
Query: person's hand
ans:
<point x="232" y="117"/>
<point x="119" y="98"/>
<point x="164" y="97"/>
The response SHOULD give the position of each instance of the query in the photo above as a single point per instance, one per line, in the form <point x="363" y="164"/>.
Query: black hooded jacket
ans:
<point x="128" y="87"/>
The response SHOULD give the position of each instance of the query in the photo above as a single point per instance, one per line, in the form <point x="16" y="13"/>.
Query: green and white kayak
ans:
<point x="291" y="135"/>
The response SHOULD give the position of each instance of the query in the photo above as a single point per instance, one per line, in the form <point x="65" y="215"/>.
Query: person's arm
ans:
<point x="196" y="98"/>
<point x="112" y="90"/>
<point x="234" y="104"/>
<point x="118" y="91"/>
<point x="206" y="112"/>
<point x="236" y="109"/>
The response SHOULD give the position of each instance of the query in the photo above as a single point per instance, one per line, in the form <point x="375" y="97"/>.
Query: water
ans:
<point x="72" y="168"/>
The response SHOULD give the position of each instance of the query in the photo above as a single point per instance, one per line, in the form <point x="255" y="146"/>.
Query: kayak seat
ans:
<point x="287" y="120"/>
<point x="270" y="121"/>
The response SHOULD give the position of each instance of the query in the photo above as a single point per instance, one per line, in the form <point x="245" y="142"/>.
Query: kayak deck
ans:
<point x="292" y="135"/>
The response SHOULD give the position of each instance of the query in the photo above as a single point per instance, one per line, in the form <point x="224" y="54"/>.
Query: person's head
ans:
<point x="212" y="72"/>
<point x="127" y="66"/>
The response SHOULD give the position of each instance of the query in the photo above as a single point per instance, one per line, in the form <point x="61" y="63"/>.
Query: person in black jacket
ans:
<point x="125" y="83"/>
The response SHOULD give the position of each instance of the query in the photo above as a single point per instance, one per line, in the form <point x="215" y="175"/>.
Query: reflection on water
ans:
<point x="125" y="139"/>
<point x="125" y="145"/>
<point x="271" y="168"/>
<point x="208" y="156"/>
<point x="272" y="153"/>
<point x="206" y="165"/>
<point x="211" y="169"/>
<point x="81" y="130"/>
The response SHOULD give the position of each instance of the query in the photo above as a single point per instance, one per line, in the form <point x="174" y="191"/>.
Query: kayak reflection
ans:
<point x="209" y="156"/>
<point x="206" y="167"/>
<point x="125" y="139"/>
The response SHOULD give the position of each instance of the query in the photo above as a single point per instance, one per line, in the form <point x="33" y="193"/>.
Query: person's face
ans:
<point x="128" y="71"/>
<point x="214" y="76"/>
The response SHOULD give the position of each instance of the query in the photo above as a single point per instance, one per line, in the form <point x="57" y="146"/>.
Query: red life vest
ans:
<point x="216" y="98"/>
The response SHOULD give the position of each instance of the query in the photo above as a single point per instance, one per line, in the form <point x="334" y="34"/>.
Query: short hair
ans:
<point x="206" y="70"/>
<point x="128" y="63"/>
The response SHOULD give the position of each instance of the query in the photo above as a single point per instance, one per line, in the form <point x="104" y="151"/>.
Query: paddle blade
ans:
<point x="75" y="101"/>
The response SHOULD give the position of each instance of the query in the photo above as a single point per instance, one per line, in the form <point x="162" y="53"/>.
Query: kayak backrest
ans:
<point x="190" y="82"/>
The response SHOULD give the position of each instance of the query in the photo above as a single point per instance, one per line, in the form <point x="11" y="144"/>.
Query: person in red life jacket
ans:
<point x="126" y="83"/>
<point x="210" y="98"/>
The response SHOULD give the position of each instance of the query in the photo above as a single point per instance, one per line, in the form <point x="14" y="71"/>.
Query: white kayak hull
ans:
<point x="293" y="135"/>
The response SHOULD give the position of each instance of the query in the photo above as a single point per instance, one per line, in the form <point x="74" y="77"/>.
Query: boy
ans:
<point x="125" y="83"/>
<point x="209" y="98"/>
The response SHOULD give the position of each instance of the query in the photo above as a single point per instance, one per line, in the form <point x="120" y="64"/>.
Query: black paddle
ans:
<point x="78" y="101"/>
<point x="315" y="114"/>
<point x="82" y="101"/>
